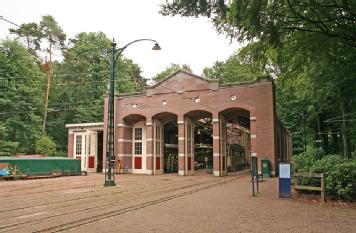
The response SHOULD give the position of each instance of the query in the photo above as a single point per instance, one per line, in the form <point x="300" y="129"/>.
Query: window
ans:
<point x="78" y="144"/>
<point x="138" y="133"/>
<point x="158" y="147"/>
<point x="138" y="148"/>
<point x="158" y="132"/>
<point x="138" y="141"/>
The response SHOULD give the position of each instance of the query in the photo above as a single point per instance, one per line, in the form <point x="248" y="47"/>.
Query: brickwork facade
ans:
<point x="184" y="98"/>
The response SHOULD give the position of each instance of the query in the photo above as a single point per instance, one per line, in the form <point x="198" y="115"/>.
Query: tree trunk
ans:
<point x="49" y="76"/>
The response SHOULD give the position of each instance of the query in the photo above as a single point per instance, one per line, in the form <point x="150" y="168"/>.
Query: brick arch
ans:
<point x="133" y="118"/>
<point x="164" y="116"/>
<point x="229" y="113"/>
<point x="198" y="113"/>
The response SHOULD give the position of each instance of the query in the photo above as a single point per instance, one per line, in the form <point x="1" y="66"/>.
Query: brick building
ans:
<point x="186" y="122"/>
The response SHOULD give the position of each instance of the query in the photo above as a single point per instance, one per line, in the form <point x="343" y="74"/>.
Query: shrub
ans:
<point x="45" y="146"/>
<point x="340" y="174"/>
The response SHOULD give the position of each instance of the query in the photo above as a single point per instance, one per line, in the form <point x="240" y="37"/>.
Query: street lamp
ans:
<point x="109" y="174"/>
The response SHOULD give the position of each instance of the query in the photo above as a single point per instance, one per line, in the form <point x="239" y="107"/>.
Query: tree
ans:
<point x="32" y="35"/>
<point x="81" y="81"/>
<point x="170" y="70"/>
<point x="45" y="146"/>
<point x="20" y="82"/>
<point x="232" y="70"/>
<point x="271" y="20"/>
<point x="55" y="37"/>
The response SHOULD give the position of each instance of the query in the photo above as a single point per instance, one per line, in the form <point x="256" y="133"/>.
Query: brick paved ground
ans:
<point x="164" y="203"/>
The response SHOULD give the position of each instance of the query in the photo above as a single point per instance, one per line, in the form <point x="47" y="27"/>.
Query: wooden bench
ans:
<point x="321" y="189"/>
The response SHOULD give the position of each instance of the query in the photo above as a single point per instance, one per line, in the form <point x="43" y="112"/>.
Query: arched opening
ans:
<point x="200" y="141"/>
<point x="238" y="138"/>
<point x="133" y="119"/>
<point x="166" y="142"/>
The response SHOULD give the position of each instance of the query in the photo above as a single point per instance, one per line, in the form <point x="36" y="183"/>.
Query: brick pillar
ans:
<point x="70" y="144"/>
<point x="149" y="146"/>
<point x="265" y="123"/>
<point x="253" y="137"/>
<point x="181" y="146"/>
<point x="216" y="146"/>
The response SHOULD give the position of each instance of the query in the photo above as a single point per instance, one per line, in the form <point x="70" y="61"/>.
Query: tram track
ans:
<point x="117" y="212"/>
<point x="96" y="207"/>
<point x="102" y="207"/>
<point x="29" y="207"/>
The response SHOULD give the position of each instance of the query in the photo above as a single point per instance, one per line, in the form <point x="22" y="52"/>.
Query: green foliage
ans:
<point x="45" y="146"/>
<point x="80" y="83"/>
<point x="52" y="32"/>
<point x="32" y="35"/>
<point x="340" y="174"/>
<point x="6" y="147"/>
<point x="232" y="70"/>
<point x="171" y="70"/>
<point x="20" y="102"/>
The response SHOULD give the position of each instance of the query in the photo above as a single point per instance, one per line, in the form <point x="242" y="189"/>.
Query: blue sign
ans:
<point x="284" y="180"/>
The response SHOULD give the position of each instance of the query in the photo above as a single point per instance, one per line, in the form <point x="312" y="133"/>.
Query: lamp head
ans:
<point x="156" y="47"/>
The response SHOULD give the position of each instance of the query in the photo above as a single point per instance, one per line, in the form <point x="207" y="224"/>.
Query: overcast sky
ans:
<point x="191" y="41"/>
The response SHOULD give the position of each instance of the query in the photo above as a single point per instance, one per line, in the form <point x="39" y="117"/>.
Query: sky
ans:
<point x="191" y="41"/>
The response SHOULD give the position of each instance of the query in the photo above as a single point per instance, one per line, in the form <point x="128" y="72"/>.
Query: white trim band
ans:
<point x="181" y="155"/>
<point x="124" y="155"/>
<point x="149" y="139"/>
<point x="253" y="118"/>
<point x="215" y="120"/>
<point x="181" y="138"/>
<point x="253" y="135"/>
<point x="254" y="154"/>
<point x="180" y="122"/>
<point x="124" y="140"/>
<point x="216" y="137"/>
<point x="149" y="123"/>
<point x="124" y="126"/>
<point x="216" y="154"/>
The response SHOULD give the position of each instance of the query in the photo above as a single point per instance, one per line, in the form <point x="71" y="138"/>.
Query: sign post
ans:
<point x="284" y="180"/>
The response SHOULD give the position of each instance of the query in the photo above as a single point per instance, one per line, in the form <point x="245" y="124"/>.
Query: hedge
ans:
<point x="340" y="174"/>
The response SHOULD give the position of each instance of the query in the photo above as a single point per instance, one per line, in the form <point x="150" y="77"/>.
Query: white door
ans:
<point x="139" y="148"/>
<point x="158" y="148"/>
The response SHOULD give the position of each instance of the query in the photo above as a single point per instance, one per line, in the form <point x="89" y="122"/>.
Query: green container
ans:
<point x="43" y="166"/>
<point x="265" y="164"/>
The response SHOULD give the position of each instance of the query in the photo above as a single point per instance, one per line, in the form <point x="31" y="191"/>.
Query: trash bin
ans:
<point x="265" y="164"/>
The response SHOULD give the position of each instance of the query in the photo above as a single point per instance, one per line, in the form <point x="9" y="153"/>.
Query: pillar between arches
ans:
<point x="181" y="146"/>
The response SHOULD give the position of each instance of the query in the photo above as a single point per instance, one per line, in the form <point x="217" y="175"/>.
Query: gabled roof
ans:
<point x="184" y="72"/>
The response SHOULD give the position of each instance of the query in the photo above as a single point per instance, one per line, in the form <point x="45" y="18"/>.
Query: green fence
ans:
<point x="44" y="166"/>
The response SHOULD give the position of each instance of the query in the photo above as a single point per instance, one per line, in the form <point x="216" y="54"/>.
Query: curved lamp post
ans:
<point x="110" y="157"/>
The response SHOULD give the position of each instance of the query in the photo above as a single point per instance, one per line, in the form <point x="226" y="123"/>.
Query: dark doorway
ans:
<point x="99" y="167"/>
<point x="171" y="147"/>
<point x="203" y="139"/>
<point x="236" y="158"/>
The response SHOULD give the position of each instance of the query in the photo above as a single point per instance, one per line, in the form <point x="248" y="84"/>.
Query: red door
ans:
<point x="91" y="161"/>
<point x="138" y="162"/>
